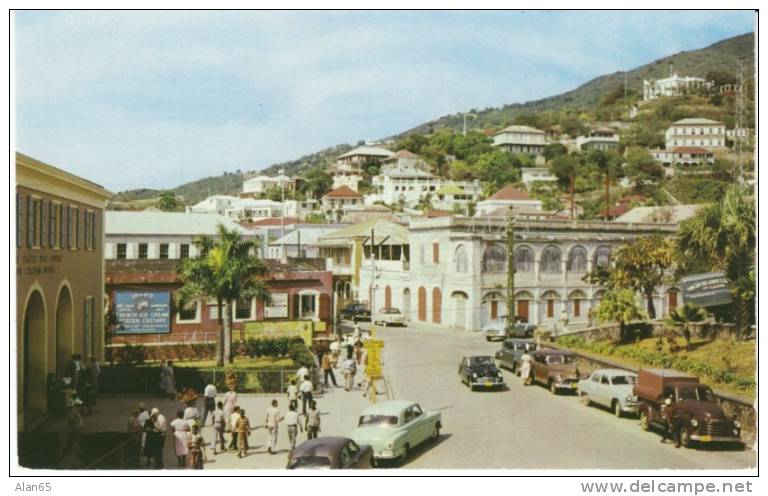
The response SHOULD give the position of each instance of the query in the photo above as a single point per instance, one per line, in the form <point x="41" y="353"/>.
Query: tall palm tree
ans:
<point x="226" y="270"/>
<point x="606" y="162"/>
<point x="722" y="237"/>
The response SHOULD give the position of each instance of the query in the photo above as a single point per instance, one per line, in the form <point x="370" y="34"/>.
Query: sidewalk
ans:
<point x="339" y="413"/>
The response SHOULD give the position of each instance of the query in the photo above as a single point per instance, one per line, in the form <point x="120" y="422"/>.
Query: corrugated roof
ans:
<point x="509" y="192"/>
<point x="395" y="233"/>
<point x="271" y="221"/>
<point x="166" y="223"/>
<point x="308" y="236"/>
<point x="367" y="150"/>
<point x="407" y="154"/>
<point x="521" y="129"/>
<point x="405" y="172"/>
<point x="343" y="192"/>
<point x="668" y="214"/>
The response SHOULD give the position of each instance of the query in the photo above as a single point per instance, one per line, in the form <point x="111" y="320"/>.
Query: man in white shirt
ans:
<point x="160" y="426"/>
<point x="233" y="418"/>
<point x="306" y="393"/>
<point x="293" y="426"/>
<point x="210" y="401"/>
<point x="141" y="420"/>
<point x="301" y="373"/>
<point x="271" y="421"/>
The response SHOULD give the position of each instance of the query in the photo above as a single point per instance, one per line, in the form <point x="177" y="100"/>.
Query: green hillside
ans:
<point x="590" y="99"/>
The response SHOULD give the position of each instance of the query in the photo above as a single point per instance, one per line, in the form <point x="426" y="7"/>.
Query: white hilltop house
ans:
<point x="521" y="139"/>
<point x="259" y="185"/>
<point x="690" y="142"/>
<point x="408" y="184"/>
<point x="508" y="196"/>
<point x="347" y="170"/>
<point x="601" y="138"/>
<point x="533" y="175"/>
<point x="248" y="208"/>
<point x="217" y="204"/>
<point x="672" y="86"/>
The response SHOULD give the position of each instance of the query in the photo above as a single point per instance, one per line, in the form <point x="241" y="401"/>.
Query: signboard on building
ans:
<point x="283" y="329"/>
<point x="143" y="312"/>
<point x="279" y="307"/>
<point x="373" y="367"/>
<point x="706" y="290"/>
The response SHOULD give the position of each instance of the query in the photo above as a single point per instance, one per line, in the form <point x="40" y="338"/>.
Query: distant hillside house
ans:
<point x="602" y="138"/>
<point x="347" y="170"/>
<point x="259" y="185"/>
<point x="508" y="196"/>
<point x="336" y="201"/>
<point x="672" y="86"/>
<point x="521" y="139"/>
<point x="537" y="174"/>
<point x="216" y="204"/>
<point x="403" y="158"/>
<point x="696" y="132"/>
<point x="682" y="156"/>
<point x="407" y="185"/>
<point x="248" y="208"/>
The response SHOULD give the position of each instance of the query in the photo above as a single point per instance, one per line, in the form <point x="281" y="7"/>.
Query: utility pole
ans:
<point x="282" y="218"/>
<point x="607" y="194"/>
<point x="573" y="205"/>
<point x="373" y="277"/>
<point x="511" y="313"/>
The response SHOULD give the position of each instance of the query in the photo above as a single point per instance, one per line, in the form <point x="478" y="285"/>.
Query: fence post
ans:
<point x="282" y="379"/>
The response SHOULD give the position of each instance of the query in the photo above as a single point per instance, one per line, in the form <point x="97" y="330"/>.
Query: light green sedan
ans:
<point x="394" y="428"/>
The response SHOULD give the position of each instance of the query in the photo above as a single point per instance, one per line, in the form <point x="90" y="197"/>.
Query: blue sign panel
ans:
<point x="143" y="312"/>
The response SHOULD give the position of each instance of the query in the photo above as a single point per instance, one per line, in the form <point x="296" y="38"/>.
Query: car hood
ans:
<point x="703" y="409"/>
<point x="376" y="437"/>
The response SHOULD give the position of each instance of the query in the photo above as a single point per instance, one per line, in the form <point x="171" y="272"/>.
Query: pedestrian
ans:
<point x="75" y="427"/>
<point x="271" y="422"/>
<point x="306" y="393"/>
<point x="141" y="421"/>
<point x="312" y="421"/>
<point x="196" y="449"/>
<point x="671" y="428"/>
<point x="76" y="370"/>
<point x="335" y="352"/>
<point x="563" y="322"/>
<point x="191" y="413"/>
<point x="181" y="429"/>
<point x="358" y="352"/>
<point x="525" y="368"/>
<point x="292" y="426"/>
<point x="243" y="429"/>
<point x="293" y="394"/>
<point x="86" y="394"/>
<point x="233" y="418"/>
<point x="209" y="406"/>
<point x="219" y="426"/>
<point x="350" y="369"/>
<point x="328" y="370"/>
<point x="167" y="379"/>
<point x="301" y="373"/>
<point x="160" y="427"/>
<point x="95" y="370"/>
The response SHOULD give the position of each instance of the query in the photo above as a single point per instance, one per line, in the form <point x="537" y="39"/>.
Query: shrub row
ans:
<point x="664" y="360"/>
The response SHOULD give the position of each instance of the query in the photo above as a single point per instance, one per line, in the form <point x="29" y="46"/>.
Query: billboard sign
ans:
<point x="706" y="290"/>
<point x="279" y="307"/>
<point x="143" y="312"/>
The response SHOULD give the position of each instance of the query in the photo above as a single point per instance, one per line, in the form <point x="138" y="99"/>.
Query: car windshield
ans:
<point x="482" y="360"/>
<point x="621" y="380"/>
<point x="695" y="394"/>
<point x="383" y="420"/>
<point x="310" y="462"/>
<point x="559" y="359"/>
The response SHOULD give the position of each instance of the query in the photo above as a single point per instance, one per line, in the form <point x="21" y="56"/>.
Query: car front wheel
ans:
<point x="436" y="432"/>
<point x="644" y="423"/>
<point x="617" y="409"/>
<point x="553" y="387"/>
<point x="685" y="438"/>
<point x="585" y="399"/>
<point x="404" y="457"/>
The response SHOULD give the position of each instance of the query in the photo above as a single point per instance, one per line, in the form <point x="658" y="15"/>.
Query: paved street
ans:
<point x="526" y="428"/>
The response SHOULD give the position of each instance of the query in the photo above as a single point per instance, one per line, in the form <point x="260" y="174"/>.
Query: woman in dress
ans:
<point x="525" y="368"/>
<point x="192" y="414"/>
<point x="181" y="429"/>
<point x="196" y="449"/>
<point x="167" y="379"/>
<point x="230" y="402"/>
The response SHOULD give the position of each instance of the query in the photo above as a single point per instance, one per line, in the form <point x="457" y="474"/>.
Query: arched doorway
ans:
<point x="437" y="305"/>
<point x="65" y="332"/>
<point x="387" y="297"/>
<point x="523" y="302"/>
<point x="33" y="354"/>
<point x="460" y="300"/>
<point x="406" y="304"/>
<point x="422" y="304"/>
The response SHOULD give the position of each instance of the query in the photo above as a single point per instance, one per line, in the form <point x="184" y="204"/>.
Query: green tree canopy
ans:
<point x="642" y="168"/>
<point x="316" y="182"/>
<point x="168" y="202"/>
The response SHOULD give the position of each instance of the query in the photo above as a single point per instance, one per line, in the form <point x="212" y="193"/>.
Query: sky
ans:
<point x="156" y="99"/>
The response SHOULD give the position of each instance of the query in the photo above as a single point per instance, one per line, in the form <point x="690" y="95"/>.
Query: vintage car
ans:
<point x="331" y="452"/>
<point x="480" y="371"/>
<point x="612" y="388"/>
<point x="355" y="312"/>
<point x="387" y="316"/>
<point x="497" y="329"/>
<point x="394" y="428"/>
<point x="555" y="369"/>
<point x="512" y="350"/>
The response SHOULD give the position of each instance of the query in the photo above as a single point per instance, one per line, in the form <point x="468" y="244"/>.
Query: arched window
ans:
<point x="602" y="256"/>
<point x="495" y="259"/>
<point x="461" y="259"/>
<point x="550" y="298"/>
<point x="550" y="260"/>
<point x="523" y="259"/>
<point x="577" y="259"/>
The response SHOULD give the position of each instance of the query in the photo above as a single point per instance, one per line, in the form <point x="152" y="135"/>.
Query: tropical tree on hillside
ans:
<point x="722" y="236"/>
<point x="608" y="164"/>
<point x="225" y="270"/>
<point x="642" y="168"/>
<point x="618" y="305"/>
<point x="316" y="183"/>
<point x="167" y="202"/>
<point x="684" y="316"/>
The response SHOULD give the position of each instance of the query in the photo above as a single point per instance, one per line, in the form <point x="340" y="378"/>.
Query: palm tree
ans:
<point x="606" y="163"/>
<point x="619" y="305"/>
<point x="684" y="316"/>
<point x="722" y="237"/>
<point x="225" y="270"/>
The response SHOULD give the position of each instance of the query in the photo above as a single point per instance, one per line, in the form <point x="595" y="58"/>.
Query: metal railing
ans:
<point x="125" y="455"/>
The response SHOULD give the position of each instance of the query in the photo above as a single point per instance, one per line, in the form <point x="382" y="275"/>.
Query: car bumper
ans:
<point x="388" y="454"/>
<point x="629" y="408"/>
<point x="495" y="335"/>
<point x="567" y="386"/>
<point x="486" y="382"/>
<point x="706" y="438"/>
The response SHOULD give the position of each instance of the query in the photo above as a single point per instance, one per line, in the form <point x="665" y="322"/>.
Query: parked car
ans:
<point x="355" y="312"/>
<point x="387" y="316"/>
<point x="612" y="388"/>
<point x="692" y="407"/>
<point x="497" y="329"/>
<point x="512" y="351"/>
<point x="394" y="428"/>
<point x="555" y="369"/>
<point x="480" y="371"/>
<point x="331" y="452"/>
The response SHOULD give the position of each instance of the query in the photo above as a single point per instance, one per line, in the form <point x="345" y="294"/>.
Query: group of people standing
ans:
<point x="349" y="354"/>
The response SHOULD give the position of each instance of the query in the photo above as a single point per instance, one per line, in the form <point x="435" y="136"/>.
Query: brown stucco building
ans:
<point x="59" y="278"/>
